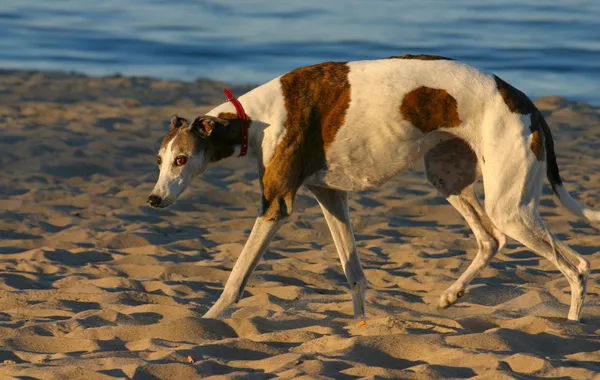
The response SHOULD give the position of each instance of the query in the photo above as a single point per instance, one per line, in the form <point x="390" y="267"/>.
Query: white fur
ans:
<point x="334" y="204"/>
<point x="375" y="143"/>
<point x="168" y="184"/>
<point x="258" y="241"/>
<point x="265" y="105"/>
<point x="173" y="180"/>
<point x="525" y="121"/>
<point x="567" y="200"/>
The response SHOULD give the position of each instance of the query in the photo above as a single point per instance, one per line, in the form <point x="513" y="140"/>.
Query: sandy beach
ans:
<point x="96" y="285"/>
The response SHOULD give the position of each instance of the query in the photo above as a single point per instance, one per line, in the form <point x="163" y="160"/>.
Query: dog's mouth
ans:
<point x="158" y="202"/>
<point x="166" y="203"/>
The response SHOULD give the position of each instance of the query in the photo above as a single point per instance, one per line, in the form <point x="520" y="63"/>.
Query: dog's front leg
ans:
<point x="260" y="237"/>
<point x="279" y="183"/>
<point x="334" y="204"/>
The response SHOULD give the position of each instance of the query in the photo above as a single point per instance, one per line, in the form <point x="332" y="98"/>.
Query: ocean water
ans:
<point x="543" y="47"/>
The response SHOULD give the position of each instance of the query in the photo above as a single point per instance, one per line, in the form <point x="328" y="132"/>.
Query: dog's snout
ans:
<point x="154" y="200"/>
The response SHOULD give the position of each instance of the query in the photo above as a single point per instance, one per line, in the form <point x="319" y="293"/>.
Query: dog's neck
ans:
<point x="231" y="142"/>
<point x="259" y="113"/>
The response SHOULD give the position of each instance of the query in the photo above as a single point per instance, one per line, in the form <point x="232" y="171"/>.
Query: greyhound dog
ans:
<point x="337" y="127"/>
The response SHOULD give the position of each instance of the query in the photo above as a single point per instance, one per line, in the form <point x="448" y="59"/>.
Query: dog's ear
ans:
<point x="209" y="125"/>
<point x="178" y="122"/>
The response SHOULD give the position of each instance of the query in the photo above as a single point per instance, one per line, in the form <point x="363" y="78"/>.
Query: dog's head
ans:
<point x="185" y="152"/>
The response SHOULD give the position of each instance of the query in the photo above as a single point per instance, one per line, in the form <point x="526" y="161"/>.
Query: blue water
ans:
<point x="542" y="47"/>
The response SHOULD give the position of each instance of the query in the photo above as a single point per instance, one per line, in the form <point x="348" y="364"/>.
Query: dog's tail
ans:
<point x="556" y="182"/>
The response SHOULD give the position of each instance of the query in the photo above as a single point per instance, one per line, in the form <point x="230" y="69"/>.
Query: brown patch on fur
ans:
<point x="206" y="126"/>
<point x="451" y="166"/>
<point x="430" y="109"/>
<point x="316" y="100"/>
<point x="170" y="135"/>
<point x="537" y="145"/>
<point x="221" y="135"/>
<point x="193" y="138"/>
<point x="234" y="121"/>
<point x="422" y="57"/>
<point x="224" y="139"/>
<point x="187" y="142"/>
<point x="176" y="123"/>
<point x="229" y="115"/>
<point x="518" y="102"/>
<point x="234" y="117"/>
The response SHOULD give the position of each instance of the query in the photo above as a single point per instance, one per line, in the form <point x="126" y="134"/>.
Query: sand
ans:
<point x="96" y="285"/>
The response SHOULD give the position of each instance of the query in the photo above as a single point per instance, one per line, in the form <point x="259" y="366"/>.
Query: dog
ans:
<point x="337" y="127"/>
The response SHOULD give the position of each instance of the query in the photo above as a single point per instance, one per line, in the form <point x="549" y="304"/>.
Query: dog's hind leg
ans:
<point x="334" y="204"/>
<point x="489" y="241"/>
<point x="451" y="167"/>
<point x="526" y="226"/>
<point x="512" y="197"/>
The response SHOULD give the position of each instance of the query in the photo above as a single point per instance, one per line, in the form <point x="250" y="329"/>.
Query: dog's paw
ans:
<point x="450" y="297"/>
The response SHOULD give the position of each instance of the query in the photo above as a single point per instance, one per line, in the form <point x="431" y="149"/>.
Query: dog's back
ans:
<point x="392" y="112"/>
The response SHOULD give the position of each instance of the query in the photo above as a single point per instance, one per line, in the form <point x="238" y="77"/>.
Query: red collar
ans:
<point x="242" y="115"/>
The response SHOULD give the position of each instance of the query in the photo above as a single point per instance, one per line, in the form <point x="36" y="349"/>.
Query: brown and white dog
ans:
<point x="337" y="127"/>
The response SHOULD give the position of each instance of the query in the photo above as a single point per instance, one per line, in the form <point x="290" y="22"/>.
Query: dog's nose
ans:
<point x="154" y="200"/>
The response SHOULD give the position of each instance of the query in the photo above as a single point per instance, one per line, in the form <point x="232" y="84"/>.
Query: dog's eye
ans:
<point x="181" y="160"/>
<point x="159" y="160"/>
